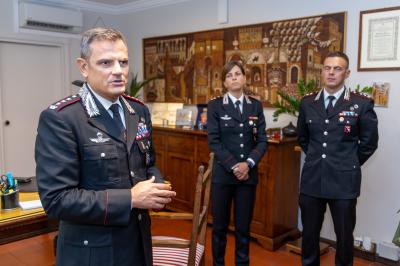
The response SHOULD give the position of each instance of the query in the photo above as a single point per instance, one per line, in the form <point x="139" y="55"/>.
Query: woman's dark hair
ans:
<point x="228" y="67"/>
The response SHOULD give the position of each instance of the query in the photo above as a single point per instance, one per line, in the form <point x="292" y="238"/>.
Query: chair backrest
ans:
<point x="200" y="210"/>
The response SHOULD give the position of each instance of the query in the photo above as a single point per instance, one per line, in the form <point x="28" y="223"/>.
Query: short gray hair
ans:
<point x="98" y="34"/>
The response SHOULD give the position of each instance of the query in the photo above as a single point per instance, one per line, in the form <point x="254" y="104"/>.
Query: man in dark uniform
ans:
<point x="236" y="134"/>
<point x="338" y="132"/>
<point x="95" y="162"/>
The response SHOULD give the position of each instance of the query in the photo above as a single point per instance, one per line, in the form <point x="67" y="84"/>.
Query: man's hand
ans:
<point x="150" y="195"/>
<point x="241" y="171"/>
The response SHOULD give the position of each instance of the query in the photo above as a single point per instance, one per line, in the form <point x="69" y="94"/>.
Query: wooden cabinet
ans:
<point x="180" y="152"/>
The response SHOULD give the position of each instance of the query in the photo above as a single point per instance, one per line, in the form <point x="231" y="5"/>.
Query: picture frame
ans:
<point x="184" y="117"/>
<point x="380" y="93"/>
<point x="201" y="119"/>
<point x="379" y="40"/>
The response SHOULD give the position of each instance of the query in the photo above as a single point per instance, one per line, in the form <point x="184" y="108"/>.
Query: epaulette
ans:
<point x="254" y="97"/>
<point x="215" y="97"/>
<point x="132" y="98"/>
<point x="361" y="94"/>
<point x="310" y="94"/>
<point x="59" y="105"/>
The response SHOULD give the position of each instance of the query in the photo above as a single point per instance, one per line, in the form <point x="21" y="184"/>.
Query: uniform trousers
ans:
<point x="243" y="197"/>
<point x="344" y="219"/>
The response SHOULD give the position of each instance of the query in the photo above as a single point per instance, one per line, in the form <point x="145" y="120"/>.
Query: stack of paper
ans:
<point x="31" y="204"/>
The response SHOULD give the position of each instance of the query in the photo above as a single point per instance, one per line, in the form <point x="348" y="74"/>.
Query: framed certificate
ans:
<point x="379" y="40"/>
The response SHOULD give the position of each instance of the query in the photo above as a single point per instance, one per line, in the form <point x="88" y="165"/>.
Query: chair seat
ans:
<point x="163" y="256"/>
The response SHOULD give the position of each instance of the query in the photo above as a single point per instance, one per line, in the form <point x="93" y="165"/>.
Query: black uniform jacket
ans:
<point x="85" y="170"/>
<point x="337" y="145"/>
<point x="234" y="138"/>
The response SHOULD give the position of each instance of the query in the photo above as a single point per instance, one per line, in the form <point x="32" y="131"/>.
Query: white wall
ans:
<point x="379" y="198"/>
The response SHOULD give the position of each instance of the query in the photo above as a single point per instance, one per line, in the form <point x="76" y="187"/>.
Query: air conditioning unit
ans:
<point x="49" y="18"/>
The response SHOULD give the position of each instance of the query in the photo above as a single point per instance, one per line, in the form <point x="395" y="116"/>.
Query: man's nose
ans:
<point x="116" y="68"/>
<point x="331" y="71"/>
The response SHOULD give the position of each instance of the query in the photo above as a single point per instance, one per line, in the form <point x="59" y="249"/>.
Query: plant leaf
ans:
<point x="291" y="104"/>
<point x="136" y="85"/>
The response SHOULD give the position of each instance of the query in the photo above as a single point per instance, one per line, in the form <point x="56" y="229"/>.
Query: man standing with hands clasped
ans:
<point x="338" y="132"/>
<point x="96" y="163"/>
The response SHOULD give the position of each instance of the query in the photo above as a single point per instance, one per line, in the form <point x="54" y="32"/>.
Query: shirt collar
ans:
<point x="336" y="94"/>
<point x="103" y="101"/>
<point x="234" y="99"/>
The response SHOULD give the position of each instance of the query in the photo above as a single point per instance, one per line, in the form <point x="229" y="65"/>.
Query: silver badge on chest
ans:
<point x="99" y="138"/>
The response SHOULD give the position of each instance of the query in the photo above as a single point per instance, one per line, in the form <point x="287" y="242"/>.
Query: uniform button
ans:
<point x="323" y="156"/>
<point x="241" y="125"/>
<point x="324" y="144"/>
<point x="226" y="125"/>
<point x="241" y="155"/>
<point x="132" y="174"/>
<point x="139" y="217"/>
<point x="326" y="133"/>
<point x="85" y="242"/>
<point x="241" y="145"/>
<point x="326" y="121"/>
<point x="102" y="155"/>
<point x="241" y="135"/>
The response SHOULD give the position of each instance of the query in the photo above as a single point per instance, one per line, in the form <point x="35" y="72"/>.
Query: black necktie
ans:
<point x="116" y="117"/>
<point x="329" y="108"/>
<point x="237" y="106"/>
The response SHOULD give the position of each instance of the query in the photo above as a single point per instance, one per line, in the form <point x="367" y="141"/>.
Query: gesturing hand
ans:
<point x="150" y="195"/>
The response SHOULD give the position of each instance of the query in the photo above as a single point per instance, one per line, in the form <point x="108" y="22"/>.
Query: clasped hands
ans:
<point x="150" y="195"/>
<point x="241" y="171"/>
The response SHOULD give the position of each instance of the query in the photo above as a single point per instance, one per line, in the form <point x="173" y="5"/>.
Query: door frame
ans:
<point x="64" y="90"/>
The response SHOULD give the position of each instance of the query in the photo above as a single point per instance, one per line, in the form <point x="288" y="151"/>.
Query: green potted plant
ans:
<point x="136" y="85"/>
<point x="290" y="104"/>
<point x="367" y="89"/>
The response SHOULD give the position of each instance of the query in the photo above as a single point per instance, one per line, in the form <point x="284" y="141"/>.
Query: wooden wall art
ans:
<point x="276" y="56"/>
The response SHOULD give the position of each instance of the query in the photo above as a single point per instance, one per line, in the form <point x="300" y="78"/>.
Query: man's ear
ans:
<point x="347" y="73"/>
<point x="83" y="66"/>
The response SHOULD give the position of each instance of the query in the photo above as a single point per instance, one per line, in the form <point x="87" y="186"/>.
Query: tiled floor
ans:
<point x="38" y="251"/>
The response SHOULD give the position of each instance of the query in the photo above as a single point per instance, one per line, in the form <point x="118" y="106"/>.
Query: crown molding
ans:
<point x="141" y="5"/>
<point x="132" y="7"/>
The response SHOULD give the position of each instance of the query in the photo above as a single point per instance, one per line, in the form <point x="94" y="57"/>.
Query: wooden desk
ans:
<point x="18" y="224"/>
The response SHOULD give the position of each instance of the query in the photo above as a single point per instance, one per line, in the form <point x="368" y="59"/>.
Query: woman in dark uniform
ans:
<point x="236" y="134"/>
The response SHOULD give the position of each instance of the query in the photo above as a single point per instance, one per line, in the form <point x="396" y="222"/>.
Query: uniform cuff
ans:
<point x="250" y="163"/>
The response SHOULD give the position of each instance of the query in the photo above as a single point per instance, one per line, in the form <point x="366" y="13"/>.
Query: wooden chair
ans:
<point x="177" y="251"/>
